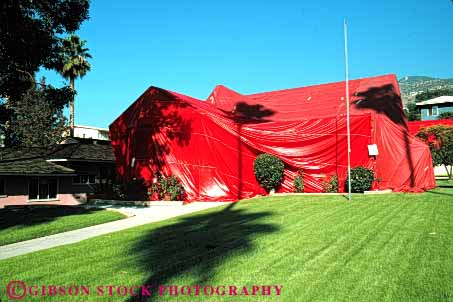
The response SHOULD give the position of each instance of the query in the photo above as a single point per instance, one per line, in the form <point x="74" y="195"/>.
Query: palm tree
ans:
<point x="73" y="65"/>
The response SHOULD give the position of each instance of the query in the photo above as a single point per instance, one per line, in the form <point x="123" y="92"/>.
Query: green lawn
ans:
<point x="394" y="247"/>
<point x="444" y="183"/>
<point x="32" y="222"/>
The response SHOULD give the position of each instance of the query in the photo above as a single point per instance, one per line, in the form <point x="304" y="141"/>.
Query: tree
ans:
<point x="37" y="120"/>
<point x="433" y="93"/>
<point x="74" y="64"/>
<point x="440" y="141"/>
<point x="412" y="112"/>
<point x="30" y="39"/>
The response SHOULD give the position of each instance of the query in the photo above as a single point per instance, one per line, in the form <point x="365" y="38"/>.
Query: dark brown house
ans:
<point x="61" y="174"/>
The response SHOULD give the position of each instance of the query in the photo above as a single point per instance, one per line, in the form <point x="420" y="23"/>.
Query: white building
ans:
<point x="91" y="132"/>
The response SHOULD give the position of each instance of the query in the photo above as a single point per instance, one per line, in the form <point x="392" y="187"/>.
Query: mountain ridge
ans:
<point x="410" y="86"/>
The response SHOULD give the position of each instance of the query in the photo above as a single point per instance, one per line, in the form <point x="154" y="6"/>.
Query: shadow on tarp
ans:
<point x="197" y="245"/>
<point x="385" y="100"/>
<point x="144" y="127"/>
<point x="244" y="114"/>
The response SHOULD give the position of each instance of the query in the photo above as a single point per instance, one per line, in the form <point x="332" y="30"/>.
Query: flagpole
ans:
<point x="345" y="28"/>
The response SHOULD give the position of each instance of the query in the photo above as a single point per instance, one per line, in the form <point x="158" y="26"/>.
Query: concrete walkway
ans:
<point x="139" y="216"/>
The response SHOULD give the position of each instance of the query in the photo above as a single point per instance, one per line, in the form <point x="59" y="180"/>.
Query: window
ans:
<point x="91" y="179"/>
<point x="106" y="175"/>
<point x="433" y="111"/>
<point x="2" y="187"/>
<point x="84" y="179"/>
<point x="43" y="189"/>
<point x="103" y="135"/>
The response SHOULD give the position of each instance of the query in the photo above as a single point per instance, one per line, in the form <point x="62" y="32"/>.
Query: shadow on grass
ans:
<point x="196" y="246"/>
<point x="345" y="196"/>
<point x="29" y="215"/>
<point x="441" y="193"/>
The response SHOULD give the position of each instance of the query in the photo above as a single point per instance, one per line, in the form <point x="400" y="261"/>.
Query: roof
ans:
<point x="324" y="100"/>
<point x="439" y="100"/>
<point x="82" y="152"/>
<point x="19" y="161"/>
<point x="373" y="95"/>
<point x="41" y="161"/>
<point x="91" y="127"/>
<point x="34" y="166"/>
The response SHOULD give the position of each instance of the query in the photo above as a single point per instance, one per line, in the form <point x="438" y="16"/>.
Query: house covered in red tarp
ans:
<point x="211" y="145"/>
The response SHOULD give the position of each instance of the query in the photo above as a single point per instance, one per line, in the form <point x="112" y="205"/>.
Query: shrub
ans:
<point x="167" y="187"/>
<point x="445" y="115"/>
<point x="361" y="180"/>
<point x="299" y="183"/>
<point x="119" y="191"/>
<point x="440" y="141"/>
<point x="268" y="171"/>
<point x="330" y="185"/>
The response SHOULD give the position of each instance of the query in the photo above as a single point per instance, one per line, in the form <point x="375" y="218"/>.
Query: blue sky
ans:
<point x="251" y="46"/>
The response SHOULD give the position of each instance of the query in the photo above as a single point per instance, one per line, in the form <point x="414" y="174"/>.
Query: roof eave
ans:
<point x="52" y="160"/>
<point x="35" y="174"/>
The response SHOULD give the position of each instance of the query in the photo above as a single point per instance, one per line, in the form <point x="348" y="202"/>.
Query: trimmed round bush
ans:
<point x="361" y="180"/>
<point x="268" y="171"/>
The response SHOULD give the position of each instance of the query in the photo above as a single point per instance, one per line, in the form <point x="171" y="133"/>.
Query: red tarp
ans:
<point x="211" y="145"/>
<point x="415" y="126"/>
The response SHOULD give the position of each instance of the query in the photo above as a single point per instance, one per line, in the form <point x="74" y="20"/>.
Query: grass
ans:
<point x="444" y="183"/>
<point x="393" y="247"/>
<point x="29" y="222"/>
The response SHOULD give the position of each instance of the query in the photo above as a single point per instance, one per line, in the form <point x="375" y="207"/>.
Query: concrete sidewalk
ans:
<point x="139" y="216"/>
